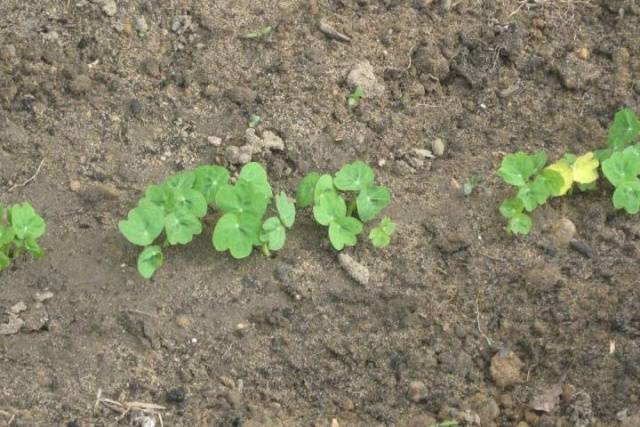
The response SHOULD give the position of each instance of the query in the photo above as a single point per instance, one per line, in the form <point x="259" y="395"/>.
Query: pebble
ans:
<point x="486" y="408"/>
<point x="43" y="296"/>
<point x="437" y="146"/>
<point x="141" y="25"/>
<point x="417" y="391"/>
<point x="8" y="52"/>
<point x="183" y="321"/>
<point x="80" y="84"/>
<point x="354" y="269"/>
<point x="505" y="368"/>
<point x="13" y="326"/>
<point x="18" y="307"/>
<point x="563" y="232"/>
<point x="241" y="95"/>
<point x="238" y="155"/>
<point x="36" y="319"/>
<point x="214" y="140"/>
<point x="546" y="399"/>
<point x="363" y="75"/>
<point x="109" y="7"/>
<point x="423" y="153"/>
<point x="176" y="395"/>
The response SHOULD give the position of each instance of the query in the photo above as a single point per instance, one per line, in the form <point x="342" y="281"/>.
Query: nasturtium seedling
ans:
<point x="380" y="235"/>
<point x="335" y="206"/>
<point x="237" y="233"/>
<point x="143" y="224"/>
<point x="620" y="163"/>
<point x="209" y="179"/>
<point x="149" y="260"/>
<point x="354" y="98"/>
<point x="20" y="229"/>
<point x="273" y="234"/>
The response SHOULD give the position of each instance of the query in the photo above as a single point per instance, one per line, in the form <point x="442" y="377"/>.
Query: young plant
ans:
<point x="178" y="205"/>
<point x="354" y="98"/>
<point x="620" y="163"/>
<point x="20" y="229"/>
<point x="537" y="183"/>
<point x="344" y="202"/>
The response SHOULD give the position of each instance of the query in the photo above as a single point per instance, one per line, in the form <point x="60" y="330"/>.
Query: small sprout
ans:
<point x="149" y="260"/>
<point x="20" y="229"/>
<point x="380" y="235"/>
<point x="354" y="98"/>
<point x="258" y="34"/>
<point x="470" y="184"/>
<point x="622" y="170"/>
<point x="254" y="120"/>
<point x="341" y="212"/>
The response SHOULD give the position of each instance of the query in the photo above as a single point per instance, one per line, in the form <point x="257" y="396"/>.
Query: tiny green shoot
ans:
<point x="20" y="229"/>
<point x="260" y="33"/>
<point x="470" y="184"/>
<point x="354" y="98"/>
<point x="254" y="120"/>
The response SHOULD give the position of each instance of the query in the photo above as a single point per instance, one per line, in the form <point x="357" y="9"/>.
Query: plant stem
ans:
<point x="265" y="250"/>
<point x="351" y="207"/>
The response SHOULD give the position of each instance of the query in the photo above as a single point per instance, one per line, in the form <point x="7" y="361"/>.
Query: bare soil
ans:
<point x="459" y="320"/>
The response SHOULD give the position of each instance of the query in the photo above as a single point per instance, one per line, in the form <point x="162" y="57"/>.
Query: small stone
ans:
<point x="183" y="321"/>
<point x="583" y="53"/>
<point x="141" y="25"/>
<point x="13" y="326"/>
<point x="505" y="368"/>
<point x="43" y="296"/>
<point x="214" y="140"/>
<point x="8" y="53"/>
<point x="354" y="269"/>
<point x="363" y="75"/>
<point x="547" y="399"/>
<point x="109" y="7"/>
<point x="272" y="141"/>
<point x="423" y="153"/>
<point x="417" y="391"/>
<point x="75" y="186"/>
<point x="151" y="66"/>
<point x="18" y="307"/>
<point x="136" y="107"/>
<point x="238" y="155"/>
<point x="176" y="395"/>
<point x="335" y="423"/>
<point x="437" y="146"/>
<point x="36" y="319"/>
<point x="563" y="232"/>
<point x="486" y="408"/>
<point x="80" y="84"/>
<point x="241" y="95"/>
<point x="429" y="60"/>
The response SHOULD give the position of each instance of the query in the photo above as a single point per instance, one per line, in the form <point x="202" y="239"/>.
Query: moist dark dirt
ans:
<point x="459" y="321"/>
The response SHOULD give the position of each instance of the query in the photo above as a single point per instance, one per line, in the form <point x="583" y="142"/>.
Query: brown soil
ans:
<point x="459" y="320"/>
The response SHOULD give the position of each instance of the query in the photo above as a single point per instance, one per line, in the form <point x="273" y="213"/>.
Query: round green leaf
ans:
<point x="241" y="198"/>
<point x="26" y="223"/>
<point x="286" y="210"/>
<point x="627" y="196"/>
<point x="182" y="180"/>
<point x="354" y="177"/>
<point x="624" y="130"/>
<point x="511" y="207"/>
<point x="143" y="224"/>
<point x="622" y="166"/>
<point x="190" y="200"/>
<point x="255" y="174"/>
<point x="162" y="196"/>
<point x="328" y="208"/>
<point x="344" y="232"/>
<point x="6" y="235"/>
<point x="380" y="235"/>
<point x="371" y="201"/>
<point x="517" y="168"/>
<point x="324" y="187"/>
<point x="273" y="234"/>
<point x="519" y="224"/>
<point x="209" y="179"/>
<point x="306" y="190"/>
<point x="149" y="260"/>
<point x="237" y="233"/>
<point x="181" y="226"/>
<point x="34" y="248"/>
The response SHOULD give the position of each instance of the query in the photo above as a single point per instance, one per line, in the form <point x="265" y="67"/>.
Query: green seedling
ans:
<point x="380" y="235"/>
<point x="261" y="33"/>
<point x="620" y="163"/>
<point x="344" y="202"/>
<point x="178" y="205"/>
<point x="354" y="98"/>
<point x="470" y="184"/>
<point x="254" y="120"/>
<point x="20" y="229"/>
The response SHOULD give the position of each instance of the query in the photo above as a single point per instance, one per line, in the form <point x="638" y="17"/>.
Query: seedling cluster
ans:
<point x="344" y="202"/>
<point x="20" y="229"/>
<point x="536" y="182"/>
<point x="178" y="205"/>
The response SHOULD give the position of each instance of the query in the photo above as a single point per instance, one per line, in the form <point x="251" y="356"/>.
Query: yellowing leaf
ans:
<point x="585" y="169"/>
<point x="567" y="176"/>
